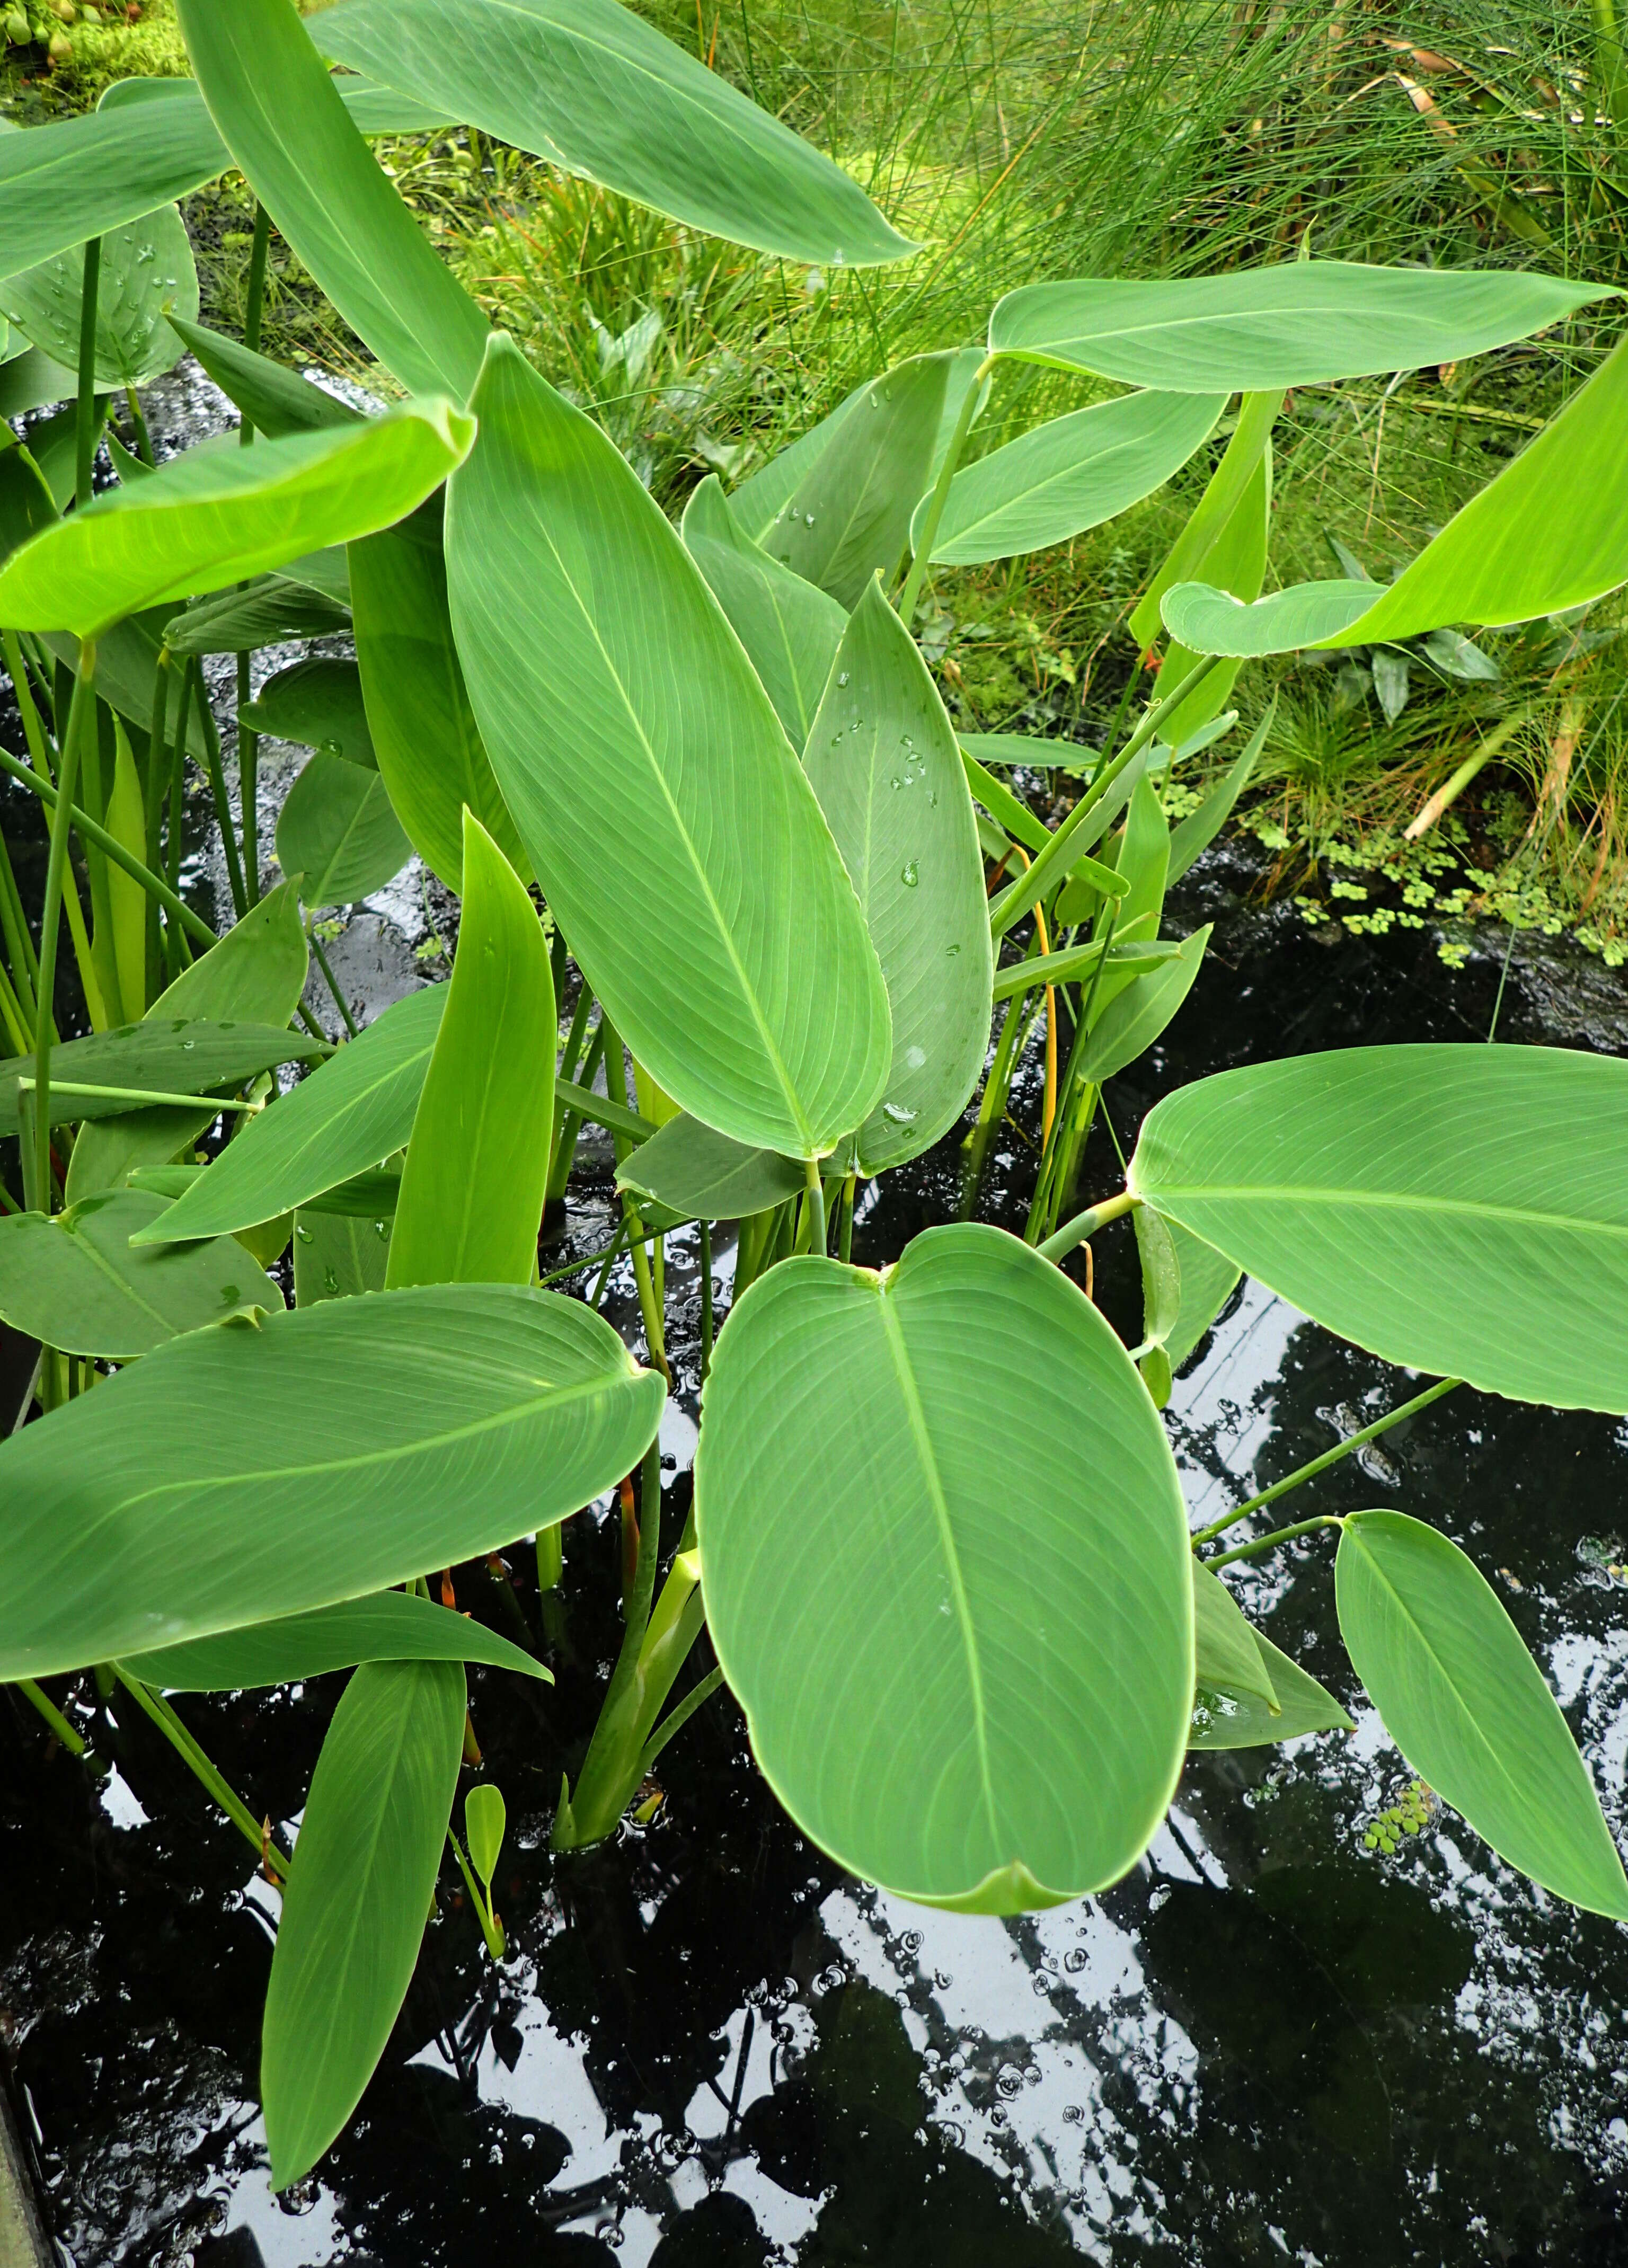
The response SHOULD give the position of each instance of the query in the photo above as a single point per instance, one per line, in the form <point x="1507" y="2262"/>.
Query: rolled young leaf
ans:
<point x="1068" y="474"/>
<point x="283" y="119"/>
<point x="1304" y="322"/>
<point x="337" y="831"/>
<point x="968" y="1679"/>
<point x="1462" y="1211"/>
<point x="1226" y="1719"/>
<point x="389" y="1626"/>
<point x="477" y="1161"/>
<point x="1203" y="1278"/>
<point x="589" y="87"/>
<point x="1235" y="562"/>
<point x="1549" y="533"/>
<point x="1224" y="1645"/>
<point x="215" y="516"/>
<point x="1468" y="1707"/>
<point x="790" y="628"/>
<point x="883" y="759"/>
<point x="146" y="274"/>
<point x="347" y="1117"/>
<point x="666" y="816"/>
<point x="353" y="1912"/>
<point x="374" y="1438"/>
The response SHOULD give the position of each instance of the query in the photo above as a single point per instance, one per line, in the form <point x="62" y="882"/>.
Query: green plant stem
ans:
<point x="550" y="1556"/>
<point x="255" y="304"/>
<point x="816" y="1206"/>
<point x="1448" y="793"/>
<point x="703" y="1234"/>
<point x="492" y="1928"/>
<point x="1271" y="1542"/>
<point x="604" y="1767"/>
<point x="54" y="1717"/>
<point x="248" y="786"/>
<point x="170" y="900"/>
<point x="85" y="422"/>
<point x="218" y="787"/>
<point x="910" y="597"/>
<point x="332" y="981"/>
<point x="18" y="943"/>
<point x="1257" y="413"/>
<point x="39" y="756"/>
<point x="182" y="1741"/>
<point x="139" y="423"/>
<point x="1086" y="1224"/>
<point x="844" y="1233"/>
<point x="81" y="718"/>
<point x="1330" y="1457"/>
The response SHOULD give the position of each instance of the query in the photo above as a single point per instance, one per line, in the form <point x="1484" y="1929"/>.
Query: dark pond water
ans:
<point x="708" y="2049"/>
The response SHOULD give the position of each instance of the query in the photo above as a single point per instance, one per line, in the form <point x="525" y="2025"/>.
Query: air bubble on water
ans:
<point x="908" y="874"/>
<point x="899" y="1115"/>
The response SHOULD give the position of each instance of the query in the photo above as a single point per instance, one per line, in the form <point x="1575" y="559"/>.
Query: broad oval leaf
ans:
<point x="477" y="1163"/>
<point x="885" y="765"/>
<point x="239" y="1475"/>
<point x="589" y="87"/>
<point x="1222" y="1719"/>
<point x="666" y="817"/>
<point x="1549" y="533"/>
<point x="1468" y="1707"/>
<point x="285" y="123"/>
<point x="1398" y="1195"/>
<point x="969" y="1678"/>
<point x="319" y="704"/>
<point x="428" y="743"/>
<point x="343" y="1118"/>
<point x="1069" y="475"/>
<point x="357" y="1894"/>
<point x="147" y="273"/>
<point x="173" y="1055"/>
<point x="790" y="628"/>
<point x="1303" y="323"/>
<point x="215" y="516"/>
<point x="337" y="831"/>
<point x="698" y="1175"/>
<point x="75" y="1283"/>
<point x="390" y="1626"/>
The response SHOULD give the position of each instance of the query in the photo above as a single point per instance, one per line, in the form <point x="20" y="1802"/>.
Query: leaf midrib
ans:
<point x="1015" y="498"/>
<point x="1384" y="1200"/>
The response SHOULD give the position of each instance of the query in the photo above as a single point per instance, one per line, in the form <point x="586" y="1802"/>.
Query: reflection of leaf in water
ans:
<point x="1248" y="1991"/>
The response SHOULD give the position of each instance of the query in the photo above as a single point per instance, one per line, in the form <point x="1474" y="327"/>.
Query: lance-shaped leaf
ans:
<point x="1194" y="834"/>
<point x="477" y="1164"/>
<point x="1462" y="1211"/>
<point x="424" y="734"/>
<point x="666" y="817"/>
<point x="353" y="1912"/>
<point x="697" y="1175"/>
<point x="1130" y="1024"/>
<point x="1226" y="1719"/>
<point x="1550" y="533"/>
<point x="75" y="1283"/>
<point x="147" y="273"/>
<point x="790" y="628"/>
<point x="346" y="1117"/>
<point x="589" y="87"/>
<point x="967" y="1679"/>
<point x="1468" y="1707"/>
<point x="389" y="1626"/>
<point x="215" y="516"/>
<point x="237" y="1475"/>
<point x="285" y="123"/>
<point x="1224" y="1652"/>
<point x="1069" y="475"/>
<point x="275" y="400"/>
<point x="172" y="1055"/>
<point x="884" y="763"/>
<point x="318" y="703"/>
<point x="1303" y="323"/>
<point x="338" y="833"/>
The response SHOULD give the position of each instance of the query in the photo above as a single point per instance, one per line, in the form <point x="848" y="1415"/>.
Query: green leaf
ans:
<point x="789" y="629"/>
<point x="26" y="504"/>
<point x="1205" y="1278"/>
<point x="485" y="1818"/>
<point x="339" y="1256"/>
<point x="1198" y="831"/>
<point x="1226" y="1720"/>
<point x="669" y="821"/>
<point x="390" y="1626"/>
<point x="428" y="743"/>
<point x="172" y="1055"/>
<point x="1130" y="1024"/>
<point x="1069" y="475"/>
<point x="125" y="819"/>
<point x="698" y="1175"/>
<point x="1468" y="1707"/>
<point x="596" y="91"/>
<point x="267" y="611"/>
<point x="967" y="1679"/>
<point x="1234" y="562"/>
<point x="1161" y="1278"/>
<point x="358" y="1443"/>
<point x="1005" y="749"/>
<point x="257" y="972"/>
<point x="1303" y="323"/>
<point x="477" y="1164"/>
<point x="1549" y="533"/>
<point x="1461" y="1210"/>
<point x="283" y="119"/>
<point x="147" y="273"/>
<point x="275" y="402"/>
<point x="318" y="703"/>
<point x="214" y="516"/>
<point x="1224" y="1652"/>
<point x="353" y="1912"/>
<point x="884" y="762"/>
<point x="338" y="832"/>
<point x="75" y="1283"/>
<point x="346" y="1117"/>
